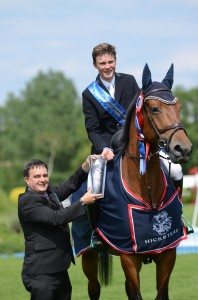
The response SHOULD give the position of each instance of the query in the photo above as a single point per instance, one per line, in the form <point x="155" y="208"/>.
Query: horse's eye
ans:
<point x="154" y="110"/>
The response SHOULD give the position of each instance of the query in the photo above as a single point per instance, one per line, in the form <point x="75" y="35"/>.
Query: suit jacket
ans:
<point x="100" y="125"/>
<point x="45" y="226"/>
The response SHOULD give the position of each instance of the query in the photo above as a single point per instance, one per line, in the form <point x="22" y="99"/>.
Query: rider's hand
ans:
<point x="107" y="153"/>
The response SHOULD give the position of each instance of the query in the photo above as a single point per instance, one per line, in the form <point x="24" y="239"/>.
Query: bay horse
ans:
<point x="140" y="215"/>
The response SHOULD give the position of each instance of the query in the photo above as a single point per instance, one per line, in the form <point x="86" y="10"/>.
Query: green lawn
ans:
<point x="183" y="284"/>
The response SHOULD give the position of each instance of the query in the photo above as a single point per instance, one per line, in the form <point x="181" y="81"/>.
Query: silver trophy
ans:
<point x="97" y="175"/>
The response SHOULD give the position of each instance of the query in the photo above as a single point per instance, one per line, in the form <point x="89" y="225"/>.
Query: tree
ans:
<point x="189" y="117"/>
<point x="44" y="122"/>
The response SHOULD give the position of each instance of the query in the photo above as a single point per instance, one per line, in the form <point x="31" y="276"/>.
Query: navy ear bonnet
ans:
<point x="161" y="90"/>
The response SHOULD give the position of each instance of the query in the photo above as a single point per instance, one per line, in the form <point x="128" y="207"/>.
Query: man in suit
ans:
<point x="99" y="122"/>
<point x="44" y="221"/>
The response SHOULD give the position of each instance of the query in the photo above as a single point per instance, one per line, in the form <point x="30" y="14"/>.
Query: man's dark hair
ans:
<point x="31" y="164"/>
<point x="102" y="49"/>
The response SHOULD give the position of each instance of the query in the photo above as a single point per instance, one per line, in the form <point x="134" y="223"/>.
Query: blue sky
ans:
<point x="60" y="35"/>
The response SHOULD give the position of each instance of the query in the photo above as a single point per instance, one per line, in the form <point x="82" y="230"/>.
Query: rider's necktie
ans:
<point x="111" y="89"/>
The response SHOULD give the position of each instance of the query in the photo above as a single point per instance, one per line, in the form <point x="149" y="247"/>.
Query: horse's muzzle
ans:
<point x="180" y="153"/>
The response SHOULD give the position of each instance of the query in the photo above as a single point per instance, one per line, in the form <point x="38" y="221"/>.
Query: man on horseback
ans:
<point x="99" y="122"/>
<point x="119" y="90"/>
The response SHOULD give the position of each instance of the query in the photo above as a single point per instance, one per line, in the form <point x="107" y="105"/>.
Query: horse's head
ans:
<point x="161" y="117"/>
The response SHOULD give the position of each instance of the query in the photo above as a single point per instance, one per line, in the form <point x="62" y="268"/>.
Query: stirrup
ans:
<point x="147" y="260"/>
<point x="96" y="242"/>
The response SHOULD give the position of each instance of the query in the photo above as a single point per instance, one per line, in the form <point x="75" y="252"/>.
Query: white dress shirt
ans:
<point x="110" y="86"/>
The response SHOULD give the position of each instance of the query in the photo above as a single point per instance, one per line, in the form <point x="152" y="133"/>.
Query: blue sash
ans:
<point x="108" y="103"/>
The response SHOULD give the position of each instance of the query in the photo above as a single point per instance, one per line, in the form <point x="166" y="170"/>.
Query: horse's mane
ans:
<point x="120" y="139"/>
<point x="126" y="129"/>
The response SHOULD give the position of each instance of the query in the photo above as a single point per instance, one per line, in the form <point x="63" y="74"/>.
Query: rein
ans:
<point x="138" y="157"/>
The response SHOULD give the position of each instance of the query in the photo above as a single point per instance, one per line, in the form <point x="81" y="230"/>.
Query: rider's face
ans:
<point x="105" y="64"/>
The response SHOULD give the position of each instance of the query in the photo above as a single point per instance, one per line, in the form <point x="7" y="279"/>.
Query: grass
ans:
<point x="183" y="283"/>
<point x="188" y="211"/>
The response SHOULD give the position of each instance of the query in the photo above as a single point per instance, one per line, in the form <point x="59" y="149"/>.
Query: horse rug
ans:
<point x="128" y="224"/>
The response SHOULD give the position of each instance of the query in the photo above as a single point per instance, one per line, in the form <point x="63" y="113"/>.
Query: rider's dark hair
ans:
<point x="102" y="49"/>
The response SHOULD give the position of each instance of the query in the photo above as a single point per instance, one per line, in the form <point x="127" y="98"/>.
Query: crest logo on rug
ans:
<point x="162" y="223"/>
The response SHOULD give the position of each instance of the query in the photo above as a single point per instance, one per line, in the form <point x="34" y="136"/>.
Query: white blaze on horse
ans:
<point x="141" y="213"/>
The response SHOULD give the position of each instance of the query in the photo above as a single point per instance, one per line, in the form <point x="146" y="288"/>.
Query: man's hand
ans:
<point x="89" y="197"/>
<point x="86" y="165"/>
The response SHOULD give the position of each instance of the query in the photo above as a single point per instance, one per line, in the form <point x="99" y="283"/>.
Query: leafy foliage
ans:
<point x="11" y="237"/>
<point x="189" y="117"/>
<point x="44" y="122"/>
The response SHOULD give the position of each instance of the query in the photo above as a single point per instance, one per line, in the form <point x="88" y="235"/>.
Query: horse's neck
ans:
<point x="149" y="186"/>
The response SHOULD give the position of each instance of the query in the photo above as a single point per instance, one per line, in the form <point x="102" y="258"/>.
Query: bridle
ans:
<point x="162" y="142"/>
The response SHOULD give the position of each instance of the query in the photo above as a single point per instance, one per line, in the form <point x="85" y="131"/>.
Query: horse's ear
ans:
<point x="168" y="79"/>
<point x="146" y="77"/>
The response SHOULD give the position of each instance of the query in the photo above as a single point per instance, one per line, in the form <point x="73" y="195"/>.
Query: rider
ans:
<point x="99" y="122"/>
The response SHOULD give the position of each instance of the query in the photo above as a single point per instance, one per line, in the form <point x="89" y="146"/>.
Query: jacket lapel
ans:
<point x="49" y="197"/>
<point x="53" y="197"/>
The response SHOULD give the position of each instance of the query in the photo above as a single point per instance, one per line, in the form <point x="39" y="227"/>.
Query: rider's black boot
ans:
<point x="93" y="211"/>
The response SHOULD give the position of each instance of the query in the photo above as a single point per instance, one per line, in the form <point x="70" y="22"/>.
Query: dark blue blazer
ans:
<point x="100" y="125"/>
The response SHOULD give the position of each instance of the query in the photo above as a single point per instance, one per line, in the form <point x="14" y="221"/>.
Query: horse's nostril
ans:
<point x="178" y="148"/>
<point x="184" y="151"/>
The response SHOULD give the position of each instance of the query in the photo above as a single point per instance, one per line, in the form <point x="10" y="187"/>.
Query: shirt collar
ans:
<point x="106" y="83"/>
<point x="40" y="194"/>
